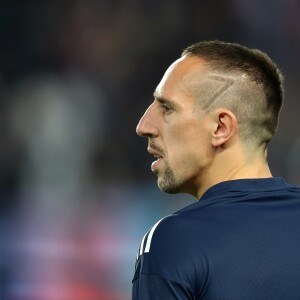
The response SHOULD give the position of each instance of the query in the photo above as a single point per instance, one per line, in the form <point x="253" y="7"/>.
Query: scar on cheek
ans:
<point x="218" y="85"/>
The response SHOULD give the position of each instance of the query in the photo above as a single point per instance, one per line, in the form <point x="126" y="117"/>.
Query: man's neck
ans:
<point x="233" y="168"/>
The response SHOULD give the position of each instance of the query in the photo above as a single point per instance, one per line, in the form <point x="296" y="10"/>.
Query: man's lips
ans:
<point x="154" y="153"/>
<point x="157" y="155"/>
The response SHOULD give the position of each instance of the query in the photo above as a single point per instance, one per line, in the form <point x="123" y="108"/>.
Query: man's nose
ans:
<point x="147" y="126"/>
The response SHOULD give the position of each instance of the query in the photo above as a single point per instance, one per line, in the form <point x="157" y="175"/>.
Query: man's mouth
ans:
<point x="158" y="157"/>
<point x="154" y="153"/>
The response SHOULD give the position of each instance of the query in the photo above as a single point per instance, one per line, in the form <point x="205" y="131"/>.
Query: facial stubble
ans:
<point x="167" y="181"/>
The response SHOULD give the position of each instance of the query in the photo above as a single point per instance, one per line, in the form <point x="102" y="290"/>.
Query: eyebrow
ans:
<point x="162" y="99"/>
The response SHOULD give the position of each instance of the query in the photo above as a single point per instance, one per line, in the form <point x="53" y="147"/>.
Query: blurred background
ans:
<point x="76" y="190"/>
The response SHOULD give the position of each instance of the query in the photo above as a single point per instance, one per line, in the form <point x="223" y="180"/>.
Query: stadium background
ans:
<point x="76" y="190"/>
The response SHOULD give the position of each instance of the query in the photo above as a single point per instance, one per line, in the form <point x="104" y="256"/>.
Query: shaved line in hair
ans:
<point x="209" y="89"/>
<point x="227" y="82"/>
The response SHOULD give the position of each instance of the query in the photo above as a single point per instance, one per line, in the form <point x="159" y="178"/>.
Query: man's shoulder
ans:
<point x="167" y="250"/>
<point x="171" y="233"/>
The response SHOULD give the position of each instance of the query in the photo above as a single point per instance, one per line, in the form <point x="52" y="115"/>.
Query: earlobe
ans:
<point x="225" y="127"/>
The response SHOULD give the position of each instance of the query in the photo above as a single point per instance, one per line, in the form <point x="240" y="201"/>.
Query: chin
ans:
<point x="168" y="187"/>
<point x="169" y="190"/>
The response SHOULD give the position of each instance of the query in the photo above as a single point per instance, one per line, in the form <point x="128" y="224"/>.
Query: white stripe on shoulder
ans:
<point x="142" y="244"/>
<point x="149" y="239"/>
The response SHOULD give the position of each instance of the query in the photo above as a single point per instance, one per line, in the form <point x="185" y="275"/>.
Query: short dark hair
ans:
<point x="259" y="69"/>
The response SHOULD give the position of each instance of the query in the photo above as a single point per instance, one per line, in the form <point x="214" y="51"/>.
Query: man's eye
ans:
<point x="166" y="108"/>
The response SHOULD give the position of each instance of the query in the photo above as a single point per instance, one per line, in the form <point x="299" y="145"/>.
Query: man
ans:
<point x="214" y="113"/>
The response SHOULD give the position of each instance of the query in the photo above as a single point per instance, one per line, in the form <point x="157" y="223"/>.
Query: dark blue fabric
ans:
<point x="240" y="241"/>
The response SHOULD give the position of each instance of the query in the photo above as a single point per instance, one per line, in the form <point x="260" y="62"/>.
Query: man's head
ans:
<point x="217" y="99"/>
<point x="254" y="87"/>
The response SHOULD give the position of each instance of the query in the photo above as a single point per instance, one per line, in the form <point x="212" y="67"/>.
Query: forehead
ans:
<point x="191" y="78"/>
<point x="180" y="77"/>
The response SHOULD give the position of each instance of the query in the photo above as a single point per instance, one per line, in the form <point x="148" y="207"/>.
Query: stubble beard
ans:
<point x="167" y="182"/>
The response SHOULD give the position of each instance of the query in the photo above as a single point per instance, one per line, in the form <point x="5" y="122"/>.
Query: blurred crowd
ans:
<point x="76" y="190"/>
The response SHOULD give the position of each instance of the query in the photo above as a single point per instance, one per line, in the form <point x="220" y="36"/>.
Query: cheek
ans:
<point x="191" y="136"/>
<point x="184" y="145"/>
<point x="189" y="146"/>
<point x="184" y="135"/>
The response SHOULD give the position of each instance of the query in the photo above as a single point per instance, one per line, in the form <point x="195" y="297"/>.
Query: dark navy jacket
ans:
<point x="241" y="241"/>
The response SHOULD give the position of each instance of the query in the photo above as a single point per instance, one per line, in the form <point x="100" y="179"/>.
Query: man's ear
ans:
<point x="225" y="127"/>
